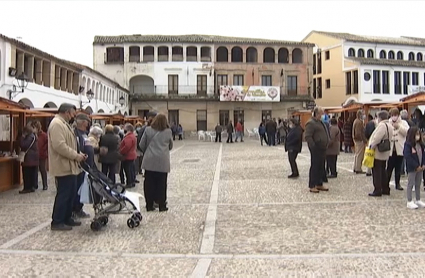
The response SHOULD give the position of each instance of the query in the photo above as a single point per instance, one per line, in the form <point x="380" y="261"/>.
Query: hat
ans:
<point x="152" y="114"/>
<point x="83" y="116"/>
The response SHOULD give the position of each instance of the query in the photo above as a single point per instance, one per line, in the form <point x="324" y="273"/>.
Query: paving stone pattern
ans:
<point x="258" y="222"/>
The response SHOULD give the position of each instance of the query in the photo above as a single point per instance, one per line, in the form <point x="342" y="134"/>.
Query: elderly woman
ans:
<point x="129" y="154"/>
<point x="29" y="148"/>
<point x="156" y="144"/>
<point x="400" y="128"/>
<point x="380" y="142"/>
<point x="94" y="139"/>
<point x="109" y="155"/>
<point x="333" y="149"/>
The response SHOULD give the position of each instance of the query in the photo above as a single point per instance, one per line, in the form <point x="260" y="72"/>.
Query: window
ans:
<point x="134" y="54"/>
<point x="415" y="78"/>
<point x="319" y="88"/>
<point x="385" y="82"/>
<point x="142" y="113"/>
<point x="376" y="82"/>
<point x="314" y="63"/>
<point x="319" y="62"/>
<point x="406" y="82"/>
<point x="238" y="116"/>
<point x="397" y="82"/>
<point x="223" y="117"/>
<point x="314" y="89"/>
<point x="382" y="54"/>
<point x="173" y="84"/>
<point x="360" y="53"/>
<point x="266" y="115"/>
<point x="221" y="81"/>
<point x="351" y="52"/>
<point x="391" y="55"/>
<point x="327" y="55"/>
<point x="411" y="56"/>
<point x="348" y="83"/>
<point x="173" y="117"/>
<point x="370" y="53"/>
<point x="292" y="85"/>
<point x="238" y="80"/>
<point x="366" y="76"/>
<point x="400" y="55"/>
<point x="201" y="84"/>
<point x="115" y="55"/>
<point x="266" y="80"/>
<point x="201" y="120"/>
<point x="355" y="82"/>
<point x="328" y="83"/>
<point x="419" y="56"/>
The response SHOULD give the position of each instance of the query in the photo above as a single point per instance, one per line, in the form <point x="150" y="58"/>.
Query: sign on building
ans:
<point x="413" y="89"/>
<point x="250" y="93"/>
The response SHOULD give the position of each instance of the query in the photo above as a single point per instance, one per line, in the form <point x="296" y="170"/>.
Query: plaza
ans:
<point x="233" y="212"/>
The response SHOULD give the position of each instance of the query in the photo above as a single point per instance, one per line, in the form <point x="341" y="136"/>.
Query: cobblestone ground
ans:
<point x="233" y="212"/>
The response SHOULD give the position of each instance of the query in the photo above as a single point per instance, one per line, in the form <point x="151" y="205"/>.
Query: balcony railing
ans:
<point x="165" y="91"/>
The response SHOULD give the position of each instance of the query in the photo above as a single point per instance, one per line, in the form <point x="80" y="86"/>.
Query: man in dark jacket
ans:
<point x="317" y="138"/>
<point x="82" y="123"/>
<point x="293" y="145"/>
<point x="271" y="128"/>
<point x="230" y="131"/>
<point x="218" y="131"/>
<point x="369" y="129"/>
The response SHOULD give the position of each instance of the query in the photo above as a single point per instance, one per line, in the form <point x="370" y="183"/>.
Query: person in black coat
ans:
<point x="111" y="157"/>
<point x="271" y="128"/>
<point x="293" y="145"/>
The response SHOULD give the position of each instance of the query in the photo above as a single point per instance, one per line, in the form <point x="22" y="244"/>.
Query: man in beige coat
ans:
<point x="63" y="165"/>
<point x="360" y="141"/>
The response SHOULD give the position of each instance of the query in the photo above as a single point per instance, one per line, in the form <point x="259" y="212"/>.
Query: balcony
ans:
<point x="164" y="92"/>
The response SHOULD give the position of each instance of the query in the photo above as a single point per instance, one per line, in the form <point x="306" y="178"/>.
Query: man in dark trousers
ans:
<point x="218" y="131"/>
<point x="230" y="131"/>
<point x="271" y="128"/>
<point x="317" y="138"/>
<point x="369" y="129"/>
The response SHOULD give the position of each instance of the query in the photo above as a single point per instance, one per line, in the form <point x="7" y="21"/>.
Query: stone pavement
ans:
<point x="233" y="212"/>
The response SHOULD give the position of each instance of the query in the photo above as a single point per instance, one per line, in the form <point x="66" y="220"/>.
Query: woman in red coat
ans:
<point x="42" y="153"/>
<point x="129" y="154"/>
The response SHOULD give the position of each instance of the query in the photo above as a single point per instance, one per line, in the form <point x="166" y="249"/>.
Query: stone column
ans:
<point x="29" y="71"/>
<point x="57" y="77"/>
<point x="184" y="54"/>
<point x="170" y="54"/>
<point x="155" y="54"/>
<point x="20" y="63"/>
<point x="38" y="71"/>
<point x="69" y="77"/>
<point x="63" y="77"/>
<point x="198" y="54"/>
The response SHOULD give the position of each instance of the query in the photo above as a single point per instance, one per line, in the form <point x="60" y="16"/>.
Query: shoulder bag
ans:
<point x="384" y="145"/>
<point x="21" y="156"/>
<point x="147" y="147"/>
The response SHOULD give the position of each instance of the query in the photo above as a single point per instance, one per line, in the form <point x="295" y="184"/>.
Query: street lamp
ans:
<point x="22" y="80"/>
<point x="89" y="95"/>
<point x="121" y="101"/>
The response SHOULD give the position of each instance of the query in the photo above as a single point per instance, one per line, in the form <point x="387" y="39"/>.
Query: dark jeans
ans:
<point x="317" y="167"/>
<point x="77" y="205"/>
<point x="64" y="201"/>
<point x="229" y="137"/>
<point x="263" y="137"/>
<point x="30" y="177"/>
<point x="128" y="168"/>
<point x="43" y="171"/>
<point x="218" y="137"/>
<point x="155" y="189"/>
<point x="380" y="177"/>
<point x="292" y="155"/>
<point x="271" y="138"/>
<point x="174" y="136"/>
<point x="331" y="164"/>
<point x="109" y="170"/>
<point x="180" y="136"/>
<point x="394" y="163"/>
<point x="122" y="177"/>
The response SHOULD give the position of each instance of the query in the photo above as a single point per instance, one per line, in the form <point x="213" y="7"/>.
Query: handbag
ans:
<point x="385" y="145"/>
<point x="21" y="155"/>
<point x="369" y="158"/>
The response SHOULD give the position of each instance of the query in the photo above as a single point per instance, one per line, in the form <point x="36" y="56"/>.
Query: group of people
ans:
<point x="71" y="143"/>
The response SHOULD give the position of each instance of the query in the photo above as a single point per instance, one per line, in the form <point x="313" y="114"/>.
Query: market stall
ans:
<point x="412" y="101"/>
<point x="105" y="119"/>
<point x="133" y="120"/>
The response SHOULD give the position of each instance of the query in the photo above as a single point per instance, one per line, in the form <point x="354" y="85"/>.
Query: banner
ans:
<point x="250" y="93"/>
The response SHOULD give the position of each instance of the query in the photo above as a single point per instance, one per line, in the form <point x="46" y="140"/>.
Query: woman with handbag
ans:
<point x="380" y="142"/>
<point x="29" y="158"/>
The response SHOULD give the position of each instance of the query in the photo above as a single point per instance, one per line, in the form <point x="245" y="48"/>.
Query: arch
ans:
<point x="283" y="55"/>
<point x="163" y="54"/>
<point x="411" y="56"/>
<point x="222" y="54"/>
<point x="370" y="53"/>
<point x="360" y="53"/>
<point x="89" y="110"/>
<point x="419" y="56"/>
<point x="125" y="113"/>
<point x="205" y="54"/>
<point x="177" y="54"/>
<point x="237" y="54"/>
<point x="191" y="54"/>
<point x="268" y="55"/>
<point x="100" y="111"/>
<point x="88" y="85"/>
<point x="297" y="56"/>
<point x="134" y="52"/>
<point x="391" y="55"/>
<point x="351" y="52"/>
<point x="400" y="55"/>
<point x="383" y="54"/>
<point x="84" y="82"/>
<point x="251" y="55"/>
<point x="144" y="85"/>
<point x="26" y="102"/>
<point x="93" y="88"/>
<point x="50" y="105"/>
<point x="349" y="101"/>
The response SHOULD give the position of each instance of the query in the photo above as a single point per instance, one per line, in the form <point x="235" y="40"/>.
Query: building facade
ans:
<point x="52" y="81"/>
<point x="181" y="75"/>
<point x="352" y="68"/>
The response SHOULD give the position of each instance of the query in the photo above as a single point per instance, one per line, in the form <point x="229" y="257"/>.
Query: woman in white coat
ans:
<point x="400" y="128"/>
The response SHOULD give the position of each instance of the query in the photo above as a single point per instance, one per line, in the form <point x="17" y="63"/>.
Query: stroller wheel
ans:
<point x="95" y="225"/>
<point x="138" y="216"/>
<point x="131" y="223"/>
<point x="103" y="220"/>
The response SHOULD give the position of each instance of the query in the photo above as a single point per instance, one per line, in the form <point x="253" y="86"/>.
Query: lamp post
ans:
<point x="22" y="80"/>
<point x="89" y="95"/>
<point x="121" y="102"/>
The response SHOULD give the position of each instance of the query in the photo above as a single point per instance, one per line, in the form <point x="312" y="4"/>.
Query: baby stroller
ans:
<point x="109" y="198"/>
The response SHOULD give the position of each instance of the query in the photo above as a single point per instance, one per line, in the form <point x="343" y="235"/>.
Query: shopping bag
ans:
<point x="84" y="192"/>
<point x="369" y="157"/>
